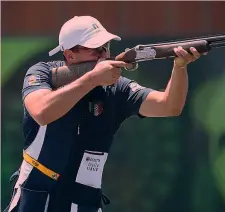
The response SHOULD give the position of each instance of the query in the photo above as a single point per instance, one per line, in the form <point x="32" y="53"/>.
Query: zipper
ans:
<point x="79" y="126"/>
<point x="78" y="129"/>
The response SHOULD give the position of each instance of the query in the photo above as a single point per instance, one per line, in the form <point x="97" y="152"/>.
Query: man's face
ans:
<point x="80" y="54"/>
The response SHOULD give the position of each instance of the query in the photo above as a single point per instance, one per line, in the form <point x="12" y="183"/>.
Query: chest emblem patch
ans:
<point x="96" y="108"/>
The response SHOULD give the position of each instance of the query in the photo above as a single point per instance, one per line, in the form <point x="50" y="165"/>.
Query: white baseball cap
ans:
<point x="85" y="31"/>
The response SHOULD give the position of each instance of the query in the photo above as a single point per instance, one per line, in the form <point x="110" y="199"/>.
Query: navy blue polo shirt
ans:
<point x="89" y="126"/>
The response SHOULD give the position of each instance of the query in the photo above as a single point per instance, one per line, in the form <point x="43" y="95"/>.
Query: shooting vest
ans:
<point x="68" y="156"/>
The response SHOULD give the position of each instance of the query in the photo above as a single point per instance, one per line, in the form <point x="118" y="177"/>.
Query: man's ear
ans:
<point x="68" y="54"/>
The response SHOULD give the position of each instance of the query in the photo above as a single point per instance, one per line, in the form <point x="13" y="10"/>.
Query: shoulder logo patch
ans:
<point x="135" y="86"/>
<point x="34" y="80"/>
<point x="96" y="108"/>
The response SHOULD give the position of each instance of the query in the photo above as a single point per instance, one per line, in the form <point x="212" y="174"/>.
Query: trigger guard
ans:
<point x="133" y="68"/>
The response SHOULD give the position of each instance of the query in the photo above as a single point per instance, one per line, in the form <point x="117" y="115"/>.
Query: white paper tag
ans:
<point x="91" y="169"/>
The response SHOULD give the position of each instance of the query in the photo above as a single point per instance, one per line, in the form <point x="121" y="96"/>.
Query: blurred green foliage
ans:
<point x="17" y="51"/>
<point x="155" y="164"/>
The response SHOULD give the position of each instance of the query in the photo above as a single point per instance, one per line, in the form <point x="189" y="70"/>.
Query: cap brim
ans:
<point x="99" y="39"/>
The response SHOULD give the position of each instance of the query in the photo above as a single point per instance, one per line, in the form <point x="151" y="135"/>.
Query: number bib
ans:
<point x="91" y="169"/>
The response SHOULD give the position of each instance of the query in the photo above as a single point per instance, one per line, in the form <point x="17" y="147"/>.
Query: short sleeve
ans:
<point x="37" y="77"/>
<point x="131" y="95"/>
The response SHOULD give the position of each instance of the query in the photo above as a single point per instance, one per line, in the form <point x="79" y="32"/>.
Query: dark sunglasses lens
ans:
<point x="99" y="50"/>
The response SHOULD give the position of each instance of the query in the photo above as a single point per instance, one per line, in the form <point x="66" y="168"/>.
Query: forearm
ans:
<point x="176" y="90"/>
<point x="57" y="103"/>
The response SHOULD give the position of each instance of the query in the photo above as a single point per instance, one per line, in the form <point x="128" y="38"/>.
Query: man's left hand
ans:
<point x="184" y="58"/>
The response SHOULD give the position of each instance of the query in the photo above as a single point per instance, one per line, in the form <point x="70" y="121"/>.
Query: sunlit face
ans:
<point x="80" y="54"/>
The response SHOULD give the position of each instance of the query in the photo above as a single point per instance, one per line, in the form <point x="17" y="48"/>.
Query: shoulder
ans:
<point x="44" y="67"/>
<point x="49" y="64"/>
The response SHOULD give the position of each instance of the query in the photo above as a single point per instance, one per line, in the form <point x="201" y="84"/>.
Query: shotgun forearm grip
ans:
<point x="167" y="50"/>
<point x="128" y="56"/>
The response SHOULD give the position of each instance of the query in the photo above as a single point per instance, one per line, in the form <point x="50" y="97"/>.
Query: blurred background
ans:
<point x="156" y="164"/>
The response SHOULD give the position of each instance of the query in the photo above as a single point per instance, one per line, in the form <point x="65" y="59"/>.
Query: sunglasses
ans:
<point x="105" y="47"/>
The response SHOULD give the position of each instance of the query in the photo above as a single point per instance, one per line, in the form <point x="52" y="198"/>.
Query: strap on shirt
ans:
<point x="46" y="171"/>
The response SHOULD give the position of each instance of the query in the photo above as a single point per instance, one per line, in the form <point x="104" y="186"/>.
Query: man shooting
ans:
<point x="69" y="130"/>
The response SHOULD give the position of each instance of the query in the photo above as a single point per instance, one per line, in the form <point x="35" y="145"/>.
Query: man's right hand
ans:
<point x="107" y="72"/>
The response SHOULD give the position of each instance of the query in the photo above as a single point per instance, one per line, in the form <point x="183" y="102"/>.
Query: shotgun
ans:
<point x="164" y="50"/>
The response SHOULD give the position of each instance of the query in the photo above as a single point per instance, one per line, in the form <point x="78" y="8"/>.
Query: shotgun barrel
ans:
<point x="165" y="50"/>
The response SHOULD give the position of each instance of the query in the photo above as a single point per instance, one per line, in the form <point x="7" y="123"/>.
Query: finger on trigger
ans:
<point x="118" y="63"/>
